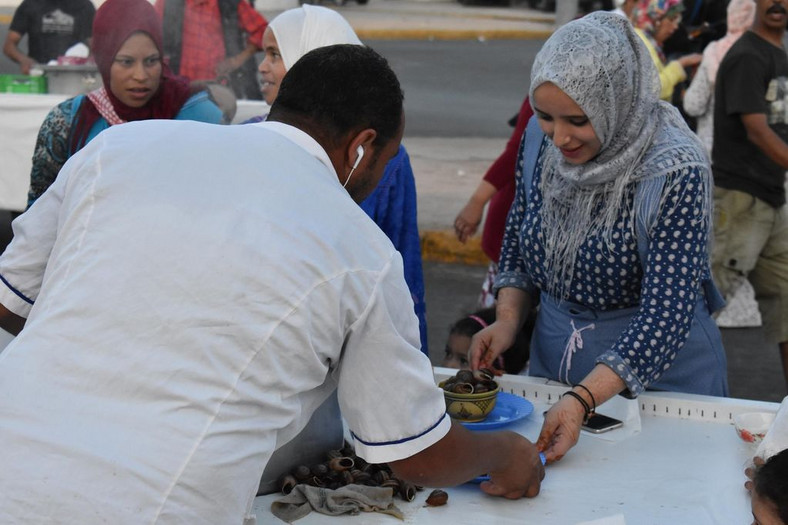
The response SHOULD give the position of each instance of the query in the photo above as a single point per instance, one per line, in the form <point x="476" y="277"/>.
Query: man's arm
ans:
<point x="10" y="322"/>
<point x="511" y="461"/>
<point x="253" y="24"/>
<point x="765" y="139"/>
<point x="11" y="50"/>
<point x="230" y="64"/>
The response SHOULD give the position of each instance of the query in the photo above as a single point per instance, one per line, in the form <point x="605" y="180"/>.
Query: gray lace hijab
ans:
<point x="601" y="64"/>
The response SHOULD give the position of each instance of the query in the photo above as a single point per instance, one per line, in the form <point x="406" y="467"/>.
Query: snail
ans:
<point x="287" y="483"/>
<point x="393" y="483"/>
<point x="407" y="491"/>
<point x="437" y="498"/>
<point x="464" y="376"/>
<point x="467" y="382"/>
<point x="319" y="470"/>
<point x="341" y="463"/>
<point x="342" y="467"/>
<point x="302" y="473"/>
<point x="360" y="477"/>
<point x="380" y="476"/>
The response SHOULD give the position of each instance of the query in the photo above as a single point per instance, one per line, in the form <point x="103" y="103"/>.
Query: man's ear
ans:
<point x="359" y="147"/>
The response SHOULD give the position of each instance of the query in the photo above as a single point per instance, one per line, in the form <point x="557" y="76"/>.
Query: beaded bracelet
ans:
<point x="582" y="401"/>
<point x="593" y="399"/>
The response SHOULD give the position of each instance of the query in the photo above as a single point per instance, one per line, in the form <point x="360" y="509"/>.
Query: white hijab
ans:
<point x="298" y="31"/>
<point x="601" y="64"/>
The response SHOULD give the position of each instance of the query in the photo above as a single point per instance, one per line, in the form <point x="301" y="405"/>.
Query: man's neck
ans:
<point x="773" y="36"/>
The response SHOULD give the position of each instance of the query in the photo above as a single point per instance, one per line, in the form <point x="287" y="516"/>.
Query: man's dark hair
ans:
<point x="771" y="482"/>
<point x="335" y="90"/>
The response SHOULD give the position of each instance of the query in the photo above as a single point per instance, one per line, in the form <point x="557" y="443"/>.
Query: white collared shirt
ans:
<point x="197" y="291"/>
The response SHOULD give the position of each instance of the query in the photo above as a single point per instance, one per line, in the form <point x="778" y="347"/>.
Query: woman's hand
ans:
<point x="467" y="221"/>
<point x="470" y="216"/>
<point x="489" y="343"/>
<point x="690" y="60"/>
<point x="561" y="428"/>
<point x="562" y="423"/>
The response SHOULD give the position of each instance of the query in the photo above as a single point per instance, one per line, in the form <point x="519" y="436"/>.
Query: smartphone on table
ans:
<point x="599" y="423"/>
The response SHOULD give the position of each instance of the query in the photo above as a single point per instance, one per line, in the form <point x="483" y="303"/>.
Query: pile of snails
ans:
<point x="471" y="382"/>
<point x="343" y="467"/>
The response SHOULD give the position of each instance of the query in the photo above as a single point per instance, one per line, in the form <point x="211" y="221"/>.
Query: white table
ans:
<point x="686" y="466"/>
<point x="20" y="119"/>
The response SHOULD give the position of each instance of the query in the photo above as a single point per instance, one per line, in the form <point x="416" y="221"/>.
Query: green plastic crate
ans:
<point x="23" y="84"/>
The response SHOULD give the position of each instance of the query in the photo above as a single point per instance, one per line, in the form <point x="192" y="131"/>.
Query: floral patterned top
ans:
<point x="52" y="148"/>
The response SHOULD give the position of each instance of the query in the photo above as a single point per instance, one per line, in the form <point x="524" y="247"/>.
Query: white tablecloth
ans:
<point x="686" y="466"/>
<point x="20" y="119"/>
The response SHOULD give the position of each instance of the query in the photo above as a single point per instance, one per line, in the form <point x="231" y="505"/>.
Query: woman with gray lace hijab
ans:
<point x="610" y="230"/>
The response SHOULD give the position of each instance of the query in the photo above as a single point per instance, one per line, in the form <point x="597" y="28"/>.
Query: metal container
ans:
<point x="324" y="432"/>
<point x="72" y="80"/>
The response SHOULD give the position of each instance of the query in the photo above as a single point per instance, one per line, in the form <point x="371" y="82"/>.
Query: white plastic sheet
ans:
<point x="21" y="116"/>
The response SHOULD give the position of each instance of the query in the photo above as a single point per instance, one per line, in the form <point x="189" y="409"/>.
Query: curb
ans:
<point x="452" y="34"/>
<point x="443" y="246"/>
<point x="503" y="15"/>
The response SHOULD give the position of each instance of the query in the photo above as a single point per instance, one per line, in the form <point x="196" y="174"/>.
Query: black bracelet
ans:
<point x="593" y="400"/>
<point x="582" y="401"/>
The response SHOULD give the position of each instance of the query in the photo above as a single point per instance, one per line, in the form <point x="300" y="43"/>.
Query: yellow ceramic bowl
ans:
<point x="470" y="407"/>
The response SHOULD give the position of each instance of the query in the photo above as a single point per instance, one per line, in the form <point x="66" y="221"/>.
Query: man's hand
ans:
<point x="12" y="51"/>
<point x="521" y="477"/>
<point x="690" y="60"/>
<point x="26" y="64"/>
<point x="226" y="66"/>
<point x="765" y="138"/>
<point x="511" y="461"/>
<point x="750" y="472"/>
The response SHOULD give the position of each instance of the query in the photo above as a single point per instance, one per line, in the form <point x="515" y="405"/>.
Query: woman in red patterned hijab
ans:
<point x="138" y="85"/>
<point x="150" y="92"/>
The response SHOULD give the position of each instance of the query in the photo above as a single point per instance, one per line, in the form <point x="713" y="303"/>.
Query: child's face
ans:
<point x="764" y="511"/>
<point x="457" y="351"/>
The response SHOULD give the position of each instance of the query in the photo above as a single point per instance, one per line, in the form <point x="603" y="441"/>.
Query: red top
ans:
<point x="501" y="175"/>
<point x="203" y="41"/>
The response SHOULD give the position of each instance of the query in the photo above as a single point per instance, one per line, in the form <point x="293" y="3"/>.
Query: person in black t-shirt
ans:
<point x="51" y="26"/>
<point x="749" y="160"/>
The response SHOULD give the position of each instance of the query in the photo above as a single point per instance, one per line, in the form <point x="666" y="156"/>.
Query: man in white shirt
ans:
<point x="191" y="293"/>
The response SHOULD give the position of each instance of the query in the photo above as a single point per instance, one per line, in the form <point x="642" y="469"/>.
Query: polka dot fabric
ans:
<point x="610" y="275"/>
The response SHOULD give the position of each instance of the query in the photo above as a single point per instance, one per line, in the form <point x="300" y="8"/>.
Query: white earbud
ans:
<point x="360" y="152"/>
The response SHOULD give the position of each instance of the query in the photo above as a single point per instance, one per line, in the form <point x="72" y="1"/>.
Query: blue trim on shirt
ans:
<point x="397" y="442"/>
<point x="17" y="292"/>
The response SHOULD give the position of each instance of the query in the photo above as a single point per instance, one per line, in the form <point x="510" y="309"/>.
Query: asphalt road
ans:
<point x="461" y="88"/>
<point x="456" y="88"/>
